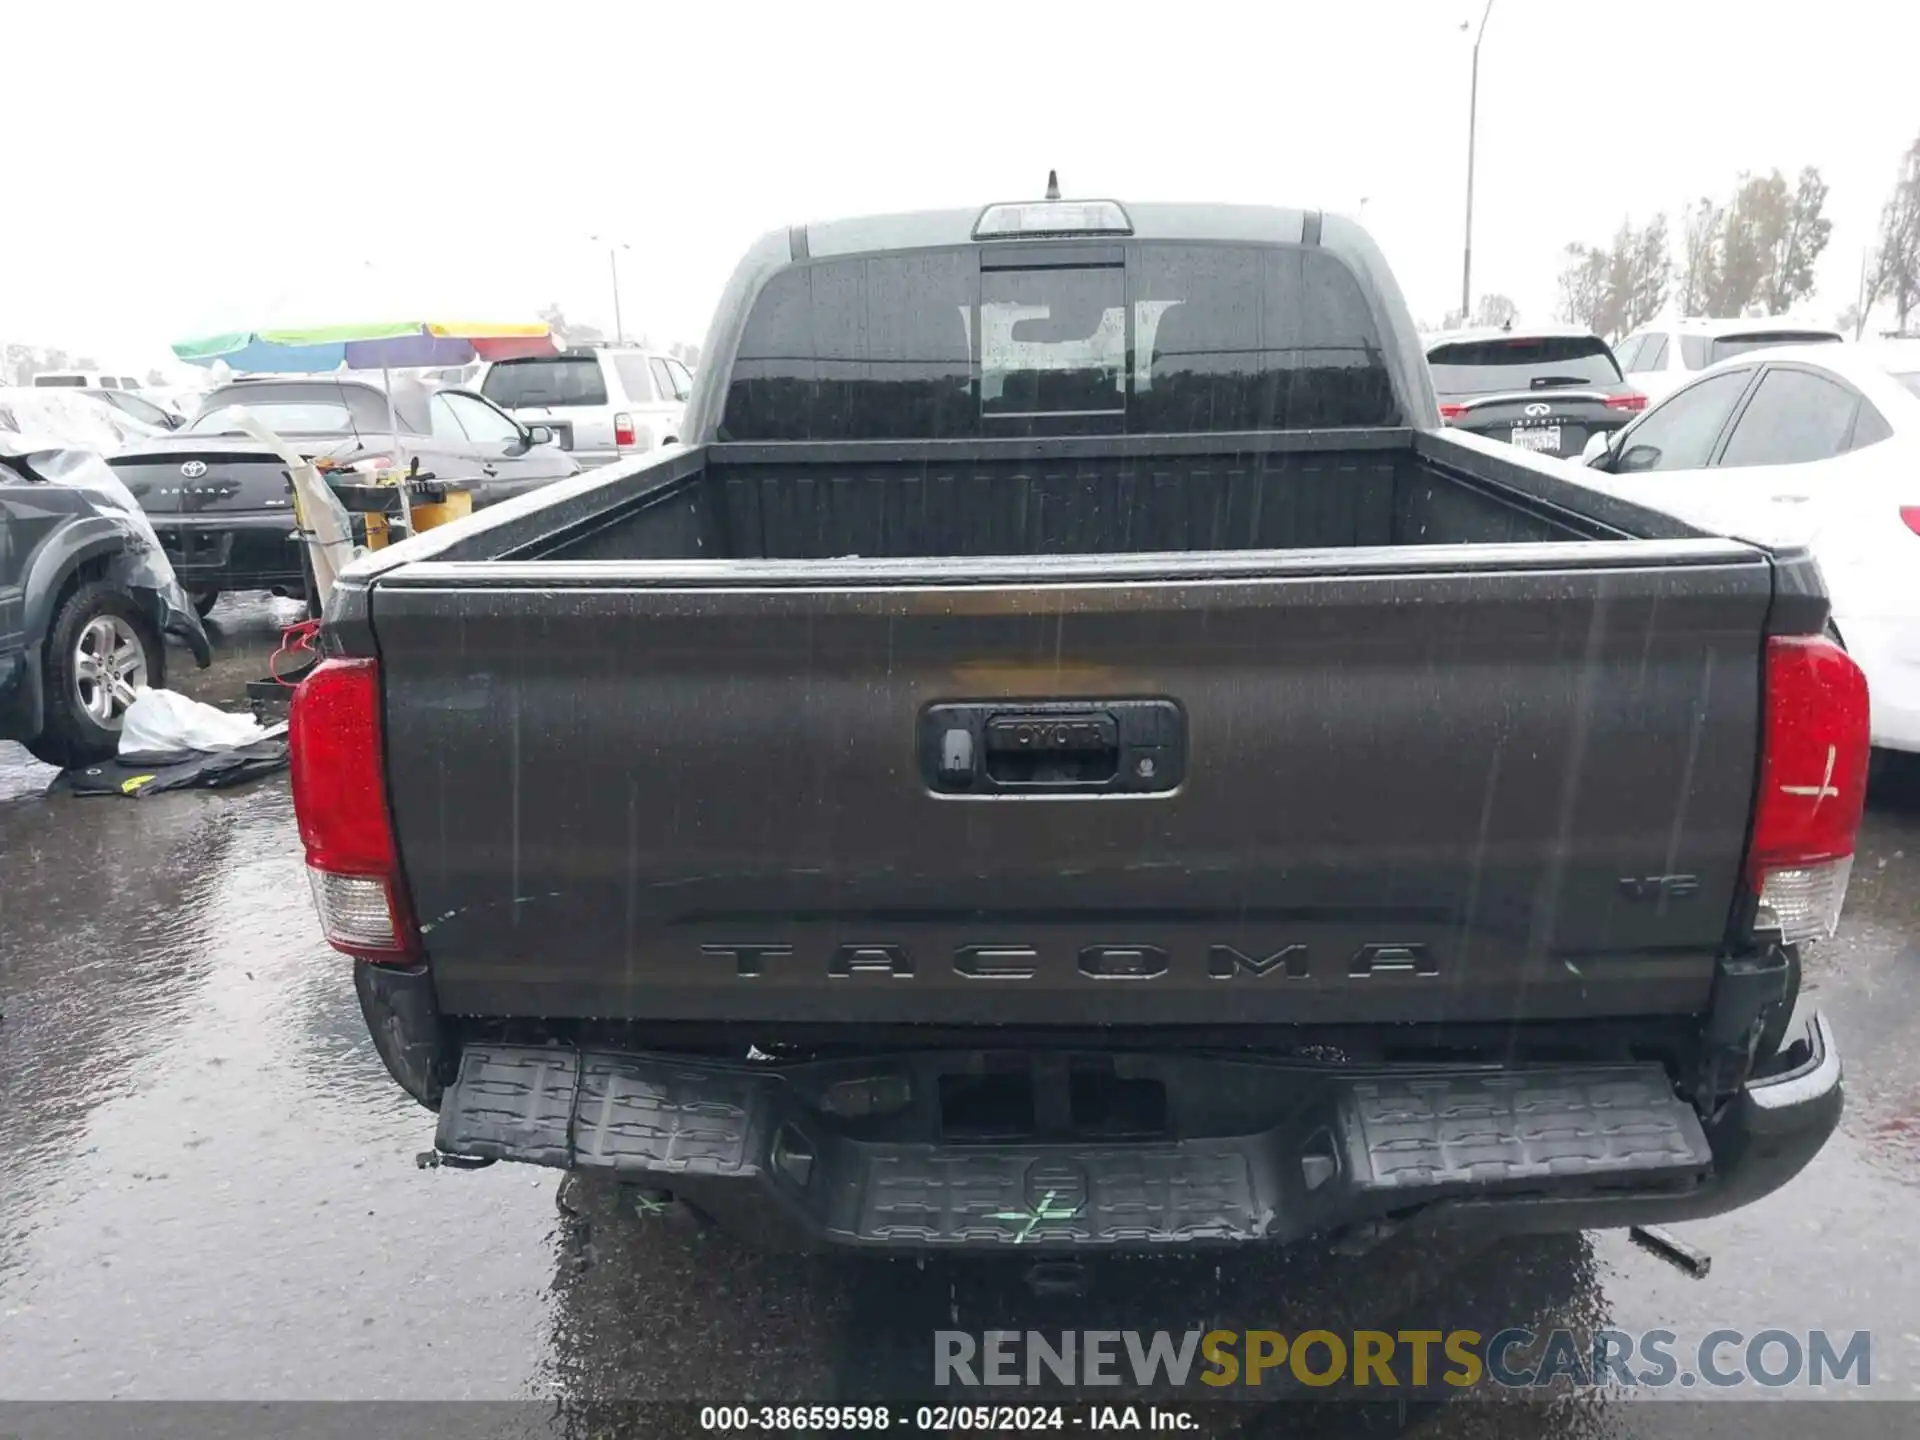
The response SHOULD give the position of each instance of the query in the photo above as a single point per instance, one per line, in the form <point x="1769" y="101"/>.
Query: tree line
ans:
<point x="1751" y="254"/>
<point x="1892" y="271"/>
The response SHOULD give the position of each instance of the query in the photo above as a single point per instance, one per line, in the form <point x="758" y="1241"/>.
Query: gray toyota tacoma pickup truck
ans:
<point x="1074" y="754"/>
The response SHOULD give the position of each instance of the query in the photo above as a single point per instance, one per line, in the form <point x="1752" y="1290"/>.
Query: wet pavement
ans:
<point x="208" y="1185"/>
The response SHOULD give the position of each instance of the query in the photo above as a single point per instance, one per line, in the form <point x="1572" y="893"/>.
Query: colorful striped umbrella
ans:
<point x="381" y="345"/>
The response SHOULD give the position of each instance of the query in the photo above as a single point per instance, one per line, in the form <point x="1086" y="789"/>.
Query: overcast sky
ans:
<point x="177" y="168"/>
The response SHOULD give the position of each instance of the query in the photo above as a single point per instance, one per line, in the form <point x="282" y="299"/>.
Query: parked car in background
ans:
<point x="83" y="380"/>
<point x="146" y="411"/>
<point x="603" y="401"/>
<point x="151" y="406"/>
<point x="458" y="377"/>
<point x="86" y="595"/>
<point x="74" y="417"/>
<point x="220" y="499"/>
<point x="1813" y="445"/>
<point x="181" y="400"/>
<point x="1662" y="357"/>
<point x="1545" y="389"/>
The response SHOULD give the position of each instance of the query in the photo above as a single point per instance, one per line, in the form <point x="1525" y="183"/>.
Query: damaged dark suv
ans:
<point x="86" y="599"/>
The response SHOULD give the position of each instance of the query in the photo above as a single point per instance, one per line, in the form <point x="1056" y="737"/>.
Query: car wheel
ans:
<point x="100" y="650"/>
<point x="204" y="601"/>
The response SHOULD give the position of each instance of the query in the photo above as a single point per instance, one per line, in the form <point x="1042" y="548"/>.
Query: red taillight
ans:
<point x="1911" y="515"/>
<point x="623" y="429"/>
<point x="340" y="802"/>
<point x="1813" y="785"/>
<point x="1632" y="401"/>
<point x="1452" y="412"/>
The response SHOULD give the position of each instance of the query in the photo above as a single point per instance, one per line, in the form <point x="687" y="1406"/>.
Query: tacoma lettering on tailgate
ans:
<point x="1096" y="962"/>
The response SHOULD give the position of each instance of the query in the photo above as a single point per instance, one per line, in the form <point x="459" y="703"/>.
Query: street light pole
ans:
<point x="1473" y="120"/>
<point x="1860" y="299"/>
<point x="613" y="270"/>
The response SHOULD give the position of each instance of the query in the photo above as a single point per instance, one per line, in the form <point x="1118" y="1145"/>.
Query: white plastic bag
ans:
<point x="168" y="720"/>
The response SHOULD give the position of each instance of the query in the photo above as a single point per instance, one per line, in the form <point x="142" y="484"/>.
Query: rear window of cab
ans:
<point x="1154" y="338"/>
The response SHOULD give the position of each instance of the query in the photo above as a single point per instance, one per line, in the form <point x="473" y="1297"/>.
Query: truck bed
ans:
<point x="1436" y="736"/>
<point x="1333" y="490"/>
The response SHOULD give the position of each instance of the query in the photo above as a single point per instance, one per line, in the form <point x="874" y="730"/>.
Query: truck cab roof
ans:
<point x="1148" y="220"/>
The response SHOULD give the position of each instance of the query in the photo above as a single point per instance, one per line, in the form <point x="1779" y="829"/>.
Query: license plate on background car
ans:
<point x="1544" y="438"/>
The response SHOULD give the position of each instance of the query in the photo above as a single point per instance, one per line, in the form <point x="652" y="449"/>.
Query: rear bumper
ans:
<point x="1572" y="431"/>
<point x="247" y="550"/>
<point x="848" y="1154"/>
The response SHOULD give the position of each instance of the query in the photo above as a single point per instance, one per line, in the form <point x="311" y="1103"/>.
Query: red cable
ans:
<point x="293" y="640"/>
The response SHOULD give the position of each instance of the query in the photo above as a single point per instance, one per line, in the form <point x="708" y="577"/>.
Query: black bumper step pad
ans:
<point x="1353" y="1148"/>
<point x="1496" y="1129"/>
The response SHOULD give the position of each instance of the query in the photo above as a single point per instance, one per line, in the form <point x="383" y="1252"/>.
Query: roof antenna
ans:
<point x="1053" y="185"/>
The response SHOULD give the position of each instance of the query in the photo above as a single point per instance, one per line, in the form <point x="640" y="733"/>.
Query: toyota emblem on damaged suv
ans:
<point x="194" y="469"/>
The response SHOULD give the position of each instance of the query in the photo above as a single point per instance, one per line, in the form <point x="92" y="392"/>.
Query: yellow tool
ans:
<point x="424" y="504"/>
<point x="455" y="505"/>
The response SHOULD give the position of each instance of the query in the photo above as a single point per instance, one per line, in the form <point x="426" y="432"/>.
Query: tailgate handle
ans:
<point x="1052" y="749"/>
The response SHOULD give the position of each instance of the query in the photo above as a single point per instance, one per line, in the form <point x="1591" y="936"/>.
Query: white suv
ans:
<point x="83" y="380"/>
<point x="602" y="402"/>
<point x="1661" y="358"/>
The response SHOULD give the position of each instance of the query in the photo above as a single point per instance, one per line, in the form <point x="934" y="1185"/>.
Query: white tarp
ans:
<point x="161" y="720"/>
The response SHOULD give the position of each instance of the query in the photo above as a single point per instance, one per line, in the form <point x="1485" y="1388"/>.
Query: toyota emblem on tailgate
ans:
<point x="1531" y="410"/>
<point x="194" y="469"/>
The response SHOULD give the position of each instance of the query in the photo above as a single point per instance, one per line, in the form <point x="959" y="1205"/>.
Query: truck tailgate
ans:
<point x="1386" y="784"/>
